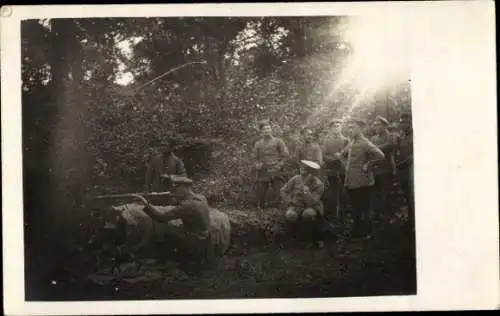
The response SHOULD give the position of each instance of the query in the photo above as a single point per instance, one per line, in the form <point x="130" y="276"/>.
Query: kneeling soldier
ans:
<point x="302" y="194"/>
<point x="194" y="212"/>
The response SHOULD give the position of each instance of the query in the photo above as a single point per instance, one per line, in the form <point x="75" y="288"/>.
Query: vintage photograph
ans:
<point x="217" y="158"/>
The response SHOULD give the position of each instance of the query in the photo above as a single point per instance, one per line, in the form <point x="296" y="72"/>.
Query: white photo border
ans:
<point x="454" y="116"/>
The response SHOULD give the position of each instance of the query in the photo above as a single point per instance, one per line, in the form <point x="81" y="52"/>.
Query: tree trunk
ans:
<point x="304" y="51"/>
<point x="68" y="133"/>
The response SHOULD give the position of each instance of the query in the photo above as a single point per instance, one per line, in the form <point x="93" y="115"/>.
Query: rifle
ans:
<point x="130" y="195"/>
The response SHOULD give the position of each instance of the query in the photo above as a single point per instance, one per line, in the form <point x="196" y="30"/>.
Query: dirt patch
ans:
<point x="259" y="267"/>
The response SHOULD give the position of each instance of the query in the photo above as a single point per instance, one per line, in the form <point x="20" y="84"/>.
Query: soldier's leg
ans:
<point x="340" y="199"/>
<point x="292" y="215"/>
<point x="310" y="222"/>
<point x="293" y="219"/>
<point x="330" y="198"/>
<point x="309" y="215"/>
<point x="378" y="197"/>
<point x="367" y="201"/>
<point x="277" y="183"/>
<point x="405" y="180"/>
<point x="389" y="196"/>
<point x="356" y="197"/>
<point x="169" y="247"/>
<point x="193" y="254"/>
<point x="411" y="195"/>
<point x="307" y="219"/>
<point x="316" y="225"/>
<point x="343" y="200"/>
<point x="261" y="190"/>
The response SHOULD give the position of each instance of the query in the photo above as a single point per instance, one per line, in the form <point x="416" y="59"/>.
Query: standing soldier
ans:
<point x="334" y="142"/>
<point x="310" y="149"/>
<point x="162" y="165"/>
<point x="360" y="156"/>
<point x="302" y="194"/>
<point x="385" y="170"/>
<point x="270" y="154"/>
<point x="404" y="163"/>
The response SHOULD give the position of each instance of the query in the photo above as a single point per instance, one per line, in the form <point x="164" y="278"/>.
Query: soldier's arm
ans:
<point x="285" y="190"/>
<point x="152" y="211"/>
<point x="342" y="156"/>
<point x="298" y="153"/>
<point x="256" y="152"/>
<point x="385" y="145"/>
<point x="409" y="156"/>
<point x="375" y="154"/>
<point x="319" y="155"/>
<point x="315" y="193"/>
<point x="345" y="150"/>
<point x="147" y="177"/>
<point x="327" y="154"/>
<point x="397" y="144"/>
<point x="283" y="149"/>
<point x="393" y="164"/>
<point x="155" y="214"/>
<point x="181" y="169"/>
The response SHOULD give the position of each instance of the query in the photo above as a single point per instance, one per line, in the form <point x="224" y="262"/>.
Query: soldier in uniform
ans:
<point x="359" y="157"/>
<point x="310" y="149"/>
<point x="302" y="195"/>
<point x="162" y="164"/>
<point x="385" y="170"/>
<point x="270" y="154"/>
<point x="404" y="162"/>
<point x="194" y="211"/>
<point x="334" y="142"/>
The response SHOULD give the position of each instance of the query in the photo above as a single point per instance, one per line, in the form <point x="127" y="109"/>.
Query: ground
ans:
<point x="259" y="267"/>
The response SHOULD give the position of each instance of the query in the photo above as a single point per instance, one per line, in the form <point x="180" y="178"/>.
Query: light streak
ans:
<point x="375" y="59"/>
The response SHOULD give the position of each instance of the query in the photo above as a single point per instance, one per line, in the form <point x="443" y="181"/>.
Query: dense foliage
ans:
<point x="84" y="133"/>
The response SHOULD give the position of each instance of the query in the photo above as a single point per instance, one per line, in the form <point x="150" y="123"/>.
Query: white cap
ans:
<point x="311" y="164"/>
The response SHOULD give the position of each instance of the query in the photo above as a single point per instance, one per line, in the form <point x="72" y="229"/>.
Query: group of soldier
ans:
<point x="359" y="172"/>
<point x="340" y="172"/>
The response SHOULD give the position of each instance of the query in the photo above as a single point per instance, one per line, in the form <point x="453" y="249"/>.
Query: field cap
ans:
<point x="263" y="123"/>
<point x="310" y="164"/>
<point x="336" y="121"/>
<point x="180" y="180"/>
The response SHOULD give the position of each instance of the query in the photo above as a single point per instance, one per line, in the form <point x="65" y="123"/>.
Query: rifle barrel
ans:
<point x="129" y="195"/>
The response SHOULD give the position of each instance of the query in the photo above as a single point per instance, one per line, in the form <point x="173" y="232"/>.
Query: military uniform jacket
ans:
<point x="387" y="143"/>
<point x="194" y="213"/>
<point x="159" y="165"/>
<point x="173" y="165"/>
<point x="404" y="151"/>
<point x="359" y="152"/>
<point x="271" y="153"/>
<point x="331" y="145"/>
<point x="311" y="152"/>
<point x="292" y="192"/>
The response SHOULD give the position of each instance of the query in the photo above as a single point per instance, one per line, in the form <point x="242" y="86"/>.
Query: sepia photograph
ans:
<point x="216" y="157"/>
<point x="203" y="157"/>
